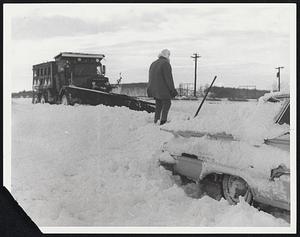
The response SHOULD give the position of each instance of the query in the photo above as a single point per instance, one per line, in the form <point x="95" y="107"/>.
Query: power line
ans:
<point x="195" y="56"/>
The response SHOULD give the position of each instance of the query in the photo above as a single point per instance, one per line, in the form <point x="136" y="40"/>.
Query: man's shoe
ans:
<point x="162" y="122"/>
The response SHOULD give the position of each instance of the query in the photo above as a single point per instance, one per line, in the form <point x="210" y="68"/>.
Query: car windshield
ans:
<point x="285" y="118"/>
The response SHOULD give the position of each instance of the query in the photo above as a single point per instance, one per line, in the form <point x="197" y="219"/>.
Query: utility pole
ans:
<point x="187" y="89"/>
<point x="278" y="76"/>
<point x="195" y="56"/>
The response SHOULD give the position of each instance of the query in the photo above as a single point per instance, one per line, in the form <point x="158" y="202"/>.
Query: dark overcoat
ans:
<point x="161" y="82"/>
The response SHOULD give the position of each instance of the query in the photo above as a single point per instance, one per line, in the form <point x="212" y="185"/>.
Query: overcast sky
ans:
<point x="241" y="44"/>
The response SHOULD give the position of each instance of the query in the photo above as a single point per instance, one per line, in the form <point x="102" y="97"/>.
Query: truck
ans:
<point x="79" y="78"/>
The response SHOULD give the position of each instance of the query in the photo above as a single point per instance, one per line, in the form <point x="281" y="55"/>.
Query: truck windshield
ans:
<point x="85" y="69"/>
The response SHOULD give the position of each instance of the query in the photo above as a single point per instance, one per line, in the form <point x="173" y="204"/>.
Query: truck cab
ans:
<point x="82" y="70"/>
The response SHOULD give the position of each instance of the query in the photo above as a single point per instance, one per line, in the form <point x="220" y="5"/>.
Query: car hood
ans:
<point x="243" y="123"/>
<point x="236" y="154"/>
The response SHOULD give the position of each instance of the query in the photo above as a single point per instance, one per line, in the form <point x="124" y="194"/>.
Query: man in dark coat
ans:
<point x="161" y="86"/>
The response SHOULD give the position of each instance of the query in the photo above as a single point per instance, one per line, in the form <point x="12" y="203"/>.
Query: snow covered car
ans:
<point x="236" y="154"/>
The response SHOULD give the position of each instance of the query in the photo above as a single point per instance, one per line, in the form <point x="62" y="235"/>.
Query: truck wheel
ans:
<point x="35" y="99"/>
<point x="138" y="105"/>
<point x="43" y="101"/>
<point x="65" y="100"/>
<point x="234" y="187"/>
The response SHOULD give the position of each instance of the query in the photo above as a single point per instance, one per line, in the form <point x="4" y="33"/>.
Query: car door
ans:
<point x="280" y="176"/>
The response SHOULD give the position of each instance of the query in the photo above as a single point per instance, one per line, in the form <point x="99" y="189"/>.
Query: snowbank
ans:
<point x="247" y="122"/>
<point x="96" y="166"/>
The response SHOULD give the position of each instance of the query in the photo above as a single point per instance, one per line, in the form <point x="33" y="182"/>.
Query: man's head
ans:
<point x="165" y="53"/>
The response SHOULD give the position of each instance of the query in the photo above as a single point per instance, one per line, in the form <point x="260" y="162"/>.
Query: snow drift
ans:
<point x="252" y="125"/>
<point x="95" y="166"/>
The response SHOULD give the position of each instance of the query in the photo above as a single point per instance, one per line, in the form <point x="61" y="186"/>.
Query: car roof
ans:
<point x="281" y="97"/>
<point x="275" y="97"/>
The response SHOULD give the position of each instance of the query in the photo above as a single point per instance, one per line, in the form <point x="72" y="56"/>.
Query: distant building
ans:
<point x="132" y="89"/>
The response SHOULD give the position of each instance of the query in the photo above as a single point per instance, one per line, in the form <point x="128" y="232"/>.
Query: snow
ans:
<point x="98" y="166"/>
<point x="251" y="122"/>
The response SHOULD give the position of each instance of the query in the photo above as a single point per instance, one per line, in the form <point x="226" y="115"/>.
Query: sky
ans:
<point x="240" y="43"/>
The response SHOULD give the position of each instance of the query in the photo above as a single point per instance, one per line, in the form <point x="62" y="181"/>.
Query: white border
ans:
<point x="7" y="138"/>
<point x="6" y="100"/>
<point x="293" y="113"/>
<point x="166" y="230"/>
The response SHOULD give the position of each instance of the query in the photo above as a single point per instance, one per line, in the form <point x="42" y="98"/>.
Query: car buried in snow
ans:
<point x="232" y="166"/>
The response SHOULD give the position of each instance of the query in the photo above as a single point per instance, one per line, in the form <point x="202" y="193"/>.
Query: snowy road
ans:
<point x="95" y="166"/>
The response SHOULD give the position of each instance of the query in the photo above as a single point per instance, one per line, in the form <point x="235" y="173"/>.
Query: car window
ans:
<point x="285" y="118"/>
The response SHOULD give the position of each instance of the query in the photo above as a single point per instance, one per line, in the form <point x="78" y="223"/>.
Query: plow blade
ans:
<point x="95" y="97"/>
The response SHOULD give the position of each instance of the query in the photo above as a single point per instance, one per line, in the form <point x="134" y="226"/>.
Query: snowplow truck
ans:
<point x="79" y="78"/>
